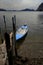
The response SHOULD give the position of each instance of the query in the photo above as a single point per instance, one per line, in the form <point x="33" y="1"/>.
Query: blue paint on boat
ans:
<point x="18" y="36"/>
<point x="24" y="27"/>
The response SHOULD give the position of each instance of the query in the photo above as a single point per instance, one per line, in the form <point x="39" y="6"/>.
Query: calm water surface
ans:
<point x="34" y="20"/>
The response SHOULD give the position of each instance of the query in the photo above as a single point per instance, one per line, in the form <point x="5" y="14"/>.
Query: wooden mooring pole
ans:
<point x="7" y="42"/>
<point x="5" y="23"/>
<point x="1" y="35"/>
<point x="14" y="36"/>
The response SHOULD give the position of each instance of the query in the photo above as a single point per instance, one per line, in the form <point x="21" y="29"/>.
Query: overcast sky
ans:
<point x="20" y="4"/>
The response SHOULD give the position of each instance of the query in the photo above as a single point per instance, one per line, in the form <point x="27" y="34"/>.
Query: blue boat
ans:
<point x="21" y="32"/>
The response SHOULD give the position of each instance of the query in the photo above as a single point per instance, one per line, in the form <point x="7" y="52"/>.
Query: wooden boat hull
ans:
<point x="21" y="32"/>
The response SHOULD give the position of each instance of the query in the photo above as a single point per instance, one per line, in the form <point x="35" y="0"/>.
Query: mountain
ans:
<point x="27" y="9"/>
<point x="40" y="8"/>
<point x="17" y="10"/>
<point x="2" y="9"/>
<point x="23" y="10"/>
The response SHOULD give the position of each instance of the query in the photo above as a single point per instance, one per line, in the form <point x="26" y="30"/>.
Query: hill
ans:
<point x="27" y="9"/>
<point x="2" y="9"/>
<point x="40" y="8"/>
<point x="17" y="10"/>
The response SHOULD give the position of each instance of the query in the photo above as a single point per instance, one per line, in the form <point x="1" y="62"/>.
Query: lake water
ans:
<point x="34" y="20"/>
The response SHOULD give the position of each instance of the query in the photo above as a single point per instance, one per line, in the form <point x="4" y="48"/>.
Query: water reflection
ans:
<point x="40" y="18"/>
<point x="20" y="41"/>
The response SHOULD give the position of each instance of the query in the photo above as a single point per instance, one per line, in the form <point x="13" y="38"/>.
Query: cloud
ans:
<point x="19" y="4"/>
